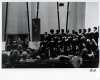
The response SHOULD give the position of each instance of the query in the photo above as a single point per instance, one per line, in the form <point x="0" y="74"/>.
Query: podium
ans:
<point x="36" y="29"/>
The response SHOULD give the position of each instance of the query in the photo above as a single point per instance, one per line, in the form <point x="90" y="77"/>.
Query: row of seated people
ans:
<point x="83" y="45"/>
<point x="16" y="44"/>
<point x="70" y="43"/>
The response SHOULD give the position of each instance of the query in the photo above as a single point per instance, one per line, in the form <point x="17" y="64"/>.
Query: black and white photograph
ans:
<point x="50" y="35"/>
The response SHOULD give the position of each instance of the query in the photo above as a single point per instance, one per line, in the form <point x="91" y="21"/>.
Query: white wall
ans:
<point x="80" y="15"/>
<point x="48" y="16"/>
<point x="17" y="22"/>
<point x="76" y="15"/>
<point x="49" y="19"/>
<point x="92" y="14"/>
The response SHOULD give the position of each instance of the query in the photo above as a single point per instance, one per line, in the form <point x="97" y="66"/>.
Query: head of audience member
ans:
<point x="95" y="29"/>
<point x="52" y="31"/>
<point x="19" y="39"/>
<point x="15" y="51"/>
<point x="67" y="31"/>
<point x="45" y="33"/>
<point x="83" y="38"/>
<point x="76" y="33"/>
<point x="73" y="31"/>
<point x="19" y="47"/>
<point x="89" y="29"/>
<point x="84" y="31"/>
<point x="57" y="31"/>
<point x="29" y="51"/>
<point x="62" y="31"/>
<point x="24" y="54"/>
<point x="80" y="31"/>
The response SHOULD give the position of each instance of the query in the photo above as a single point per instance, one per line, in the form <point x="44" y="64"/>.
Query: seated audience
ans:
<point x="82" y="46"/>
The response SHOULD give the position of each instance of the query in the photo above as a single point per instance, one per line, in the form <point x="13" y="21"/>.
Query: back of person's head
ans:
<point x="24" y="52"/>
<point x="89" y="29"/>
<point x="19" y="46"/>
<point x="15" y="51"/>
<point x="80" y="30"/>
<point x="62" y="30"/>
<point x="84" y="50"/>
<point x="51" y="31"/>
<point x="84" y="30"/>
<point x="95" y="28"/>
<point x="45" y="33"/>
<point x="76" y="33"/>
<point x="73" y="31"/>
<point x="57" y="31"/>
